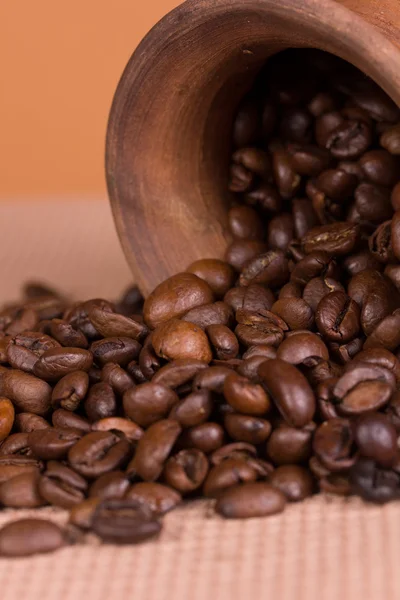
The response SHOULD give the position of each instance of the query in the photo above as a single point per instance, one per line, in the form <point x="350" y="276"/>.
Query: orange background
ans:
<point x="59" y="67"/>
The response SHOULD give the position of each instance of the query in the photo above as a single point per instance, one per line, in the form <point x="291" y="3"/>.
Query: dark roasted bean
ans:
<point x="97" y="453"/>
<point x="124" y="521"/>
<point x="257" y="499"/>
<point x="25" y="537"/>
<point x="148" y="403"/>
<point x="160" y="498"/>
<point x="153" y="449"/>
<point x="61" y="486"/>
<point x="206" y="437"/>
<point x="186" y="470"/>
<point x="294" y="481"/>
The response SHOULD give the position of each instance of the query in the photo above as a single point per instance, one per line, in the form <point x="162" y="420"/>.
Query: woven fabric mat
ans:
<point x="322" y="549"/>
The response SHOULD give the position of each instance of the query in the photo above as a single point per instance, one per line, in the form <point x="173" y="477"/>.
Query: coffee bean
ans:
<point x="97" y="453"/>
<point x="289" y="390"/>
<point x="349" y="139"/>
<point x="66" y="335"/>
<point x="206" y="437"/>
<point x="316" y="264"/>
<point x="13" y="465"/>
<point x="230" y="472"/>
<point x="374" y="483"/>
<point x="194" y="409"/>
<point x="217" y="313"/>
<point x="240" y="252"/>
<point x="309" y="160"/>
<point x="175" y="297"/>
<point x="61" y="486"/>
<point x="70" y="390"/>
<point x="64" y="418"/>
<point x="246" y="397"/>
<point x="219" y="275"/>
<point x="153" y="449"/>
<point x="380" y="243"/>
<point x="131" y="430"/>
<point x="338" y="317"/>
<point x="325" y="124"/>
<point x="110" y="324"/>
<point x="256" y="499"/>
<point x="280" y="231"/>
<point x="247" y="123"/>
<point x="271" y="269"/>
<point x="332" y="444"/>
<point x="372" y="202"/>
<point x="361" y="261"/>
<point x="286" y="178"/>
<point x="223" y="342"/>
<point x="30" y="536"/>
<point x="288" y="445"/>
<point x="124" y="521"/>
<point x="321" y="103"/>
<point x="28" y="393"/>
<point x="21" y="491"/>
<point x="264" y="196"/>
<point x="81" y="515"/>
<point x="212" y="379"/>
<point x="244" y="428"/>
<point x="245" y="223"/>
<point x="117" y="378"/>
<point x="177" y="339"/>
<point x="7" y="414"/>
<point x="294" y="481"/>
<point x="186" y="470"/>
<point x="57" y="362"/>
<point x="363" y="388"/>
<point x="337" y="239"/>
<point x="296" y="348"/>
<point x="318" y="288"/>
<point x="16" y="443"/>
<point x="27" y="422"/>
<point x="295" y="312"/>
<point x="380" y="167"/>
<point x="336" y="184"/>
<point x="148" y="403"/>
<point x="53" y="444"/>
<point x="376" y="438"/>
<point x="110" y="485"/>
<point x="158" y="497"/>
<point x="119" y="350"/>
<point x="253" y="298"/>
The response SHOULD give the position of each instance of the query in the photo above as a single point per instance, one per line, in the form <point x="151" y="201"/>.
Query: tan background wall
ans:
<point x="60" y="62"/>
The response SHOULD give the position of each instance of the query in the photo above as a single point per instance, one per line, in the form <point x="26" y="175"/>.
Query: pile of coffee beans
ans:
<point x="255" y="381"/>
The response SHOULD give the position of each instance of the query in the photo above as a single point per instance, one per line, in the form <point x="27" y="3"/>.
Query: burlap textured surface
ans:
<point x="322" y="549"/>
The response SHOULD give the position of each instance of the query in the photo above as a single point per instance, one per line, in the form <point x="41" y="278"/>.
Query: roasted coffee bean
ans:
<point x="69" y="391"/>
<point x="27" y="393"/>
<point x="337" y="239"/>
<point x="219" y="275"/>
<point x="124" y="521"/>
<point x="256" y="499"/>
<point x="297" y="348"/>
<point x="12" y="465"/>
<point x="246" y="397"/>
<point x="288" y="445"/>
<point x="100" y="402"/>
<point x="374" y="483"/>
<point x="333" y="444"/>
<point x="212" y="379"/>
<point x="206" y="437"/>
<point x="231" y="471"/>
<point x="309" y="160"/>
<point x="363" y="388"/>
<point x="53" y="444"/>
<point x="61" y="486"/>
<point x="304" y="216"/>
<point x="280" y="231"/>
<point x="57" y="362"/>
<point x="248" y="163"/>
<point x="117" y="377"/>
<point x="7" y="414"/>
<point x="260" y="350"/>
<point x="264" y="196"/>
<point x="62" y="418"/>
<point x="380" y="167"/>
<point x="158" y="497"/>
<point x="343" y="353"/>
<point x="338" y="317"/>
<point x="270" y="269"/>
<point x="153" y="449"/>
<point x="21" y="491"/>
<point x="217" y="313"/>
<point x="175" y="297"/>
<point x="316" y="264"/>
<point x="386" y="334"/>
<point x="25" y="537"/>
<point x="110" y="324"/>
<point x="380" y="243"/>
<point x="178" y="372"/>
<point x="24" y="319"/>
<point x="296" y="125"/>
<point x="249" y="367"/>
<point x="78" y="317"/>
<point x="149" y="362"/>
<point x="176" y="339"/>
<point x="194" y="409"/>
<point x="253" y="298"/>
<point x="336" y="184"/>
<point x="16" y="443"/>
<point x="119" y="350"/>
<point x="131" y="301"/>
<point x="131" y="430"/>
<point x="148" y="403"/>
<point x="361" y="261"/>
<point x="66" y="335"/>
<point x="335" y="483"/>
<point x="382" y="358"/>
<point x="244" y="428"/>
<point x="325" y="124"/>
<point x="240" y="252"/>
<point x="376" y="438"/>
<point x="224" y="343"/>
<point x="295" y="312"/>
<point x="349" y="140"/>
<point x="392" y="272"/>
<point x="390" y="140"/>
<point x="372" y="203"/>
<point x="18" y="357"/>
<point x="234" y="450"/>
<point x="294" y="481"/>
<point x="186" y="470"/>
<point x="286" y="178"/>
<point x="81" y="515"/>
<point x="110" y="485"/>
<point x="244" y="224"/>
<point x="289" y="390"/>
<point x="97" y="453"/>
<point x="318" y="288"/>
<point x="27" y="422"/>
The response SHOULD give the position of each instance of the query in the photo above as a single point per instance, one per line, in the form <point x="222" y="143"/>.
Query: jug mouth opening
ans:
<point x="169" y="133"/>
